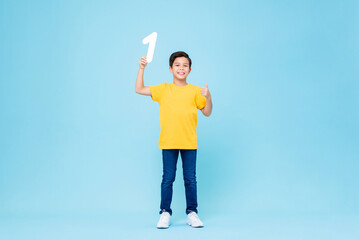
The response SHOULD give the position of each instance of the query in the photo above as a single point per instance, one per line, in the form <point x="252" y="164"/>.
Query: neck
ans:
<point x="179" y="82"/>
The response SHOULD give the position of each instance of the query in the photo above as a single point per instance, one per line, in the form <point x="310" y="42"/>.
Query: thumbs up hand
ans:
<point x="205" y="92"/>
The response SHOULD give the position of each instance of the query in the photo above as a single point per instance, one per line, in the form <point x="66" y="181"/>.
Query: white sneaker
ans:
<point x="164" y="221"/>
<point x="193" y="220"/>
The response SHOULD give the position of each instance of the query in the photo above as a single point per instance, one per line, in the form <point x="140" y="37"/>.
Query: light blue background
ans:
<point x="277" y="159"/>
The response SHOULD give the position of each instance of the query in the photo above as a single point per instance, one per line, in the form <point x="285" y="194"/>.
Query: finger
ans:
<point x="206" y="85"/>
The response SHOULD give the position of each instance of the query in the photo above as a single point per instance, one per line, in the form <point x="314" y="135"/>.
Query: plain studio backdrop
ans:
<point x="79" y="148"/>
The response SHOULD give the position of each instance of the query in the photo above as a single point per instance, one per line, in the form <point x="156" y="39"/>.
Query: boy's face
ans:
<point x="180" y="68"/>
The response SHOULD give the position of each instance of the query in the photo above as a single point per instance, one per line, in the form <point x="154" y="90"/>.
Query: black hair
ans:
<point x="179" y="54"/>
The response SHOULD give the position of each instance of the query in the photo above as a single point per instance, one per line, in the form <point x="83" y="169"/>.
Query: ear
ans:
<point x="171" y="69"/>
<point x="189" y="70"/>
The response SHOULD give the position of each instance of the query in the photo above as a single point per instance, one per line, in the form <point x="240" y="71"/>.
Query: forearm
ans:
<point x="139" y="80"/>
<point x="207" y="110"/>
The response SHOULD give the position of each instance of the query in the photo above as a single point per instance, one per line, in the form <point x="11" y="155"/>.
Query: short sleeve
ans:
<point x="157" y="91"/>
<point x="200" y="99"/>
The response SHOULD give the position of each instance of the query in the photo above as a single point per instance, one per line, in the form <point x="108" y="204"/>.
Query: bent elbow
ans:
<point x="206" y="114"/>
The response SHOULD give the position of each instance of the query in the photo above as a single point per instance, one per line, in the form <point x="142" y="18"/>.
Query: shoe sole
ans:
<point x="195" y="226"/>
<point x="164" y="227"/>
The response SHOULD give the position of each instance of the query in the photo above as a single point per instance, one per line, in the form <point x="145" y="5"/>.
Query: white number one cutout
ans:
<point x="151" y="39"/>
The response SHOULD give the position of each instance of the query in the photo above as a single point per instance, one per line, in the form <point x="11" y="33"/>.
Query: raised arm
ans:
<point x="140" y="88"/>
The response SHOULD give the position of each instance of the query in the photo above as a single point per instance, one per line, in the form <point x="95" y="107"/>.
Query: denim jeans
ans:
<point x="169" y="157"/>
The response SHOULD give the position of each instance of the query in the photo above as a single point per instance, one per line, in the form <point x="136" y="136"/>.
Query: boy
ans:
<point x="178" y="104"/>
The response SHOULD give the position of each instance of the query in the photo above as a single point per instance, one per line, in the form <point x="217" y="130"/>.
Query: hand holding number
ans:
<point x="205" y="92"/>
<point x="143" y="62"/>
<point x="151" y="40"/>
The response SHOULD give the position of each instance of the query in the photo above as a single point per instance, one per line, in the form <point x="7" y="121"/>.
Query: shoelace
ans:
<point x="194" y="217"/>
<point x="162" y="217"/>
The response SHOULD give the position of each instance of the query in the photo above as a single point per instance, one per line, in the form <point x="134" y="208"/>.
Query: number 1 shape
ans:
<point x="151" y="39"/>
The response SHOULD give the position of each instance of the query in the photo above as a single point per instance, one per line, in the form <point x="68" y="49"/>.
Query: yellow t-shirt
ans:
<point x="178" y="114"/>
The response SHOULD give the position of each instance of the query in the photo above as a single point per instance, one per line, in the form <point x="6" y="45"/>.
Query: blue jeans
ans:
<point x="169" y="157"/>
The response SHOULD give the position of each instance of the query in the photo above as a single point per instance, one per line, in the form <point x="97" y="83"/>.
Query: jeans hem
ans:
<point x="189" y="211"/>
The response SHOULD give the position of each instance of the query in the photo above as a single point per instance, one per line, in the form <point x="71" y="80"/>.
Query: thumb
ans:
<point x="206" y="85"/>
